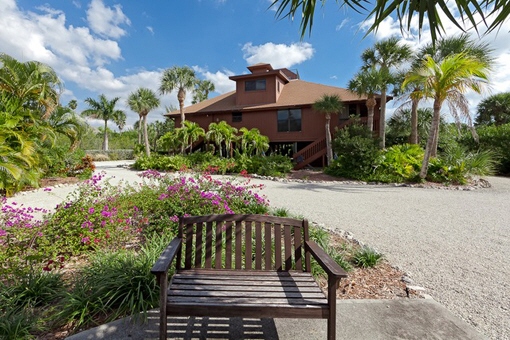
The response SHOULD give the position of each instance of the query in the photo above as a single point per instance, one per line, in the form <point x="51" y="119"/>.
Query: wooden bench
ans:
<point x="250" y="266"/>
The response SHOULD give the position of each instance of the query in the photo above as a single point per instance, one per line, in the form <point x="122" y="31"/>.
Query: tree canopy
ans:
<point x="494" y="110"/>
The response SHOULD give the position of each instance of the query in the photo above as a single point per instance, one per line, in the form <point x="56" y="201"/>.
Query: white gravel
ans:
<point x="456" y="244"/>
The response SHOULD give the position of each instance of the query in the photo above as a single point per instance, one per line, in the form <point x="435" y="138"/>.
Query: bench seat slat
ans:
<point x="244" y="293"/>
<point x="247" y="288"/>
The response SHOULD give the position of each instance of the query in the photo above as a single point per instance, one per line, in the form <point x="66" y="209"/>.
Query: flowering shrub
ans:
<point x="99" y="215"/>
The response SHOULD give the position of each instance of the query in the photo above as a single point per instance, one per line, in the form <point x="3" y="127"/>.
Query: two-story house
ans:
<point x="279" y="104"/>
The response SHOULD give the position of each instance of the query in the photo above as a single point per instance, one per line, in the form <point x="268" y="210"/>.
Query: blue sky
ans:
<point x="114" y="47"/>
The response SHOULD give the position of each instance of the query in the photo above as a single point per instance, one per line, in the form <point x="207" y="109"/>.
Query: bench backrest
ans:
<point x="244" y="242"/>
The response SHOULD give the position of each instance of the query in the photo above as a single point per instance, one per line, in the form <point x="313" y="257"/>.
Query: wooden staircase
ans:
<point x="309" y="154"/>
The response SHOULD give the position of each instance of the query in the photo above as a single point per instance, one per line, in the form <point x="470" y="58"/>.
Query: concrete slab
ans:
<point x="356" y="320"/>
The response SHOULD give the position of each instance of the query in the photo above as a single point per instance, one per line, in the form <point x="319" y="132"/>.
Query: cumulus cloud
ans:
<point x="220" y="79"/>
<point x="105" y="20"/>
<point x="278" y="55"/>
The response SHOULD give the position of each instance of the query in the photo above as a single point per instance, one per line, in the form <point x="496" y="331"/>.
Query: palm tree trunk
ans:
<point x="105" y="138"/>
<point x="382" y="120"/>
<point x="434" y="128"/>
<point x="146" y="137"/>
<point x="329" y="150"/>
<point x="140" y="129"/>
<point x="413" y="139"/>
<point x="370" y="119"/>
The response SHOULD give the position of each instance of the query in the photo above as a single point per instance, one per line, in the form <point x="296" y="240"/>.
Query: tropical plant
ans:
<point x="202" y="90"/>
<point x="104" y="109"/>
<point x="400" y="126"/>
<point x="447" y="81"/>
<point x="251" y="141"/>
<point x="490" y="14"/>
<point x="181" y="79"/>
<point x="34" y="83"/>
<point x="221" y="133"/>
<point x="494" y="110"/>
<point x="66" y="122"/>
<point x="328" y="105"/>
<point x="142" y="101"/>
<point x="444" y="47"/>
<point x="190" y="133"/>
<point x="368" y="82"/>
<point x="158" y="129"/>
<point x="386" y="56"/>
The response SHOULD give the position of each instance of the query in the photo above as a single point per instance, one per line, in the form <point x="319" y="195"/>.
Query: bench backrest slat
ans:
<point x="246" y="242"/>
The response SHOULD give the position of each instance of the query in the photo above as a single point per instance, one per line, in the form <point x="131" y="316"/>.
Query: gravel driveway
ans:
<point x="456" y="244"/>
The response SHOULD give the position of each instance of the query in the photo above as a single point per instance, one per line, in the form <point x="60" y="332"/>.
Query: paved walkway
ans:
<point x="356" y="320"/>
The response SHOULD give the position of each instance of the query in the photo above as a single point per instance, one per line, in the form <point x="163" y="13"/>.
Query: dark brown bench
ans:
<point x="251" y="266"/>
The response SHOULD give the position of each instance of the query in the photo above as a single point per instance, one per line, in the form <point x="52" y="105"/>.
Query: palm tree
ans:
<point x="368" y="83"/>
<point x="104" y="109"/>
<point x="190" y="133"/>
<point x="494" y="110"/>
<point x="66" y="122"/>
<point x="215" y="134"/>
<point x="252" y="141"/>
<point x="142" y="101"/>
<point x="491" y="13"/>
<point x="34" y="83"/>
<point x="181" y="79"/>
<point x="202" y="90"/>
<point x="328" y="105"/>
<point x="444" y="47"/>
<point x="386" y="55"/>
<point x="447" y="81"/>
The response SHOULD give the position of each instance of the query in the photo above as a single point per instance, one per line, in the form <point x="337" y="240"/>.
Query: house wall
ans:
<point x="256" y="97"/>
<point x="312" y="123"/>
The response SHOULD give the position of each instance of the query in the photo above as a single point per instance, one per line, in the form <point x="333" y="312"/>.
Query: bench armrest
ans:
<point x="325" y="261"/>
<point x="165" y="259"/>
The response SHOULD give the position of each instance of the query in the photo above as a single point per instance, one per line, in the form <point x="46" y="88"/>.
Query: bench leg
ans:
<point x="163" y="287"/>
<point x="332" y="285"/>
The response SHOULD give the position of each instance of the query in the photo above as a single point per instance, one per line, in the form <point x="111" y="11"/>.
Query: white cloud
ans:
<point x="278" y="55"/>
<point x="150" y="29"/>
<point x="342" y="24"/>
<point x="105" y="20"/>
<point x="220" y="79"/>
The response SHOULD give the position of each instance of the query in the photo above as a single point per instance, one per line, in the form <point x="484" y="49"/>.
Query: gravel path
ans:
<point x="456" y="244"/>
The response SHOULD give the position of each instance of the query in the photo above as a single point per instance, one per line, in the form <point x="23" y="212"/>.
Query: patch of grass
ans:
<point x="281" y="212"/>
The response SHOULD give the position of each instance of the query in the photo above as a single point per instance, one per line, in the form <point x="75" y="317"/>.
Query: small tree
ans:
<point x="328" y="105"/>
<point x="142" y="101"/>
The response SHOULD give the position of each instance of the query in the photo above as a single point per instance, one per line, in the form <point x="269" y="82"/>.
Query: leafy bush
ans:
<point x="495" y="139"/>
<point x="367" y="257"/>
<point x="399" y="163"/>
<point x="357" y="152"/>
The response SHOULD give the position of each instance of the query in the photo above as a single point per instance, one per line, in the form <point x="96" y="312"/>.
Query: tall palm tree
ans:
<point x="367" y="83"/>
<point x="447" y="81"/>
<point x="386" y="55"/>
<point x="142" y="101"/>
<point x="202" y="90"/>
<point x="181" y="79"/>
<point x="104" y="109"/>
<point x="328" y="105"/>
<point x="34" y="83"/>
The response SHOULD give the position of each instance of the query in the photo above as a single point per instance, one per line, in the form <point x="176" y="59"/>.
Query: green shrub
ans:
<point x="399" y="163"/>
<point x="357" y="152"/>
<point x="367" y="257"/>
<point x="495" y="139"/>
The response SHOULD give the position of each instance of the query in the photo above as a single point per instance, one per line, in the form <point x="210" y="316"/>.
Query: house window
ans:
<point x="289" y="120"/>
<point x="237" y="117"/>
<point x="344" y="114"/>
<point x="255" y="85"/>
<point x="353" y="109"/>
